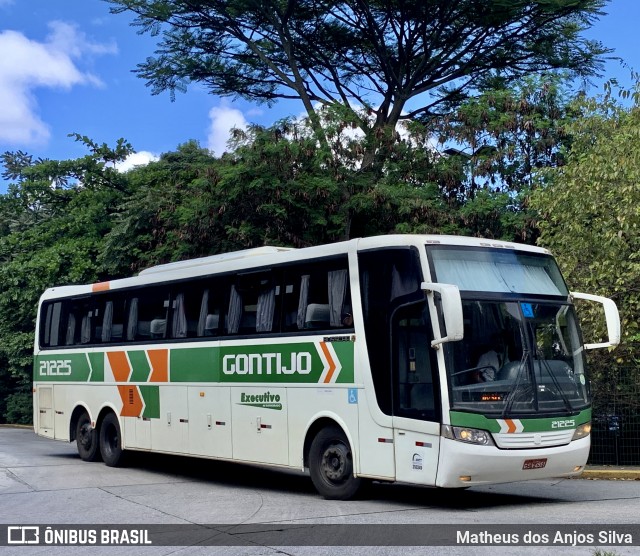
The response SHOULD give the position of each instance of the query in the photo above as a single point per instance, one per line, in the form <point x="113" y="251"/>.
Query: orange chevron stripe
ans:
<point x="511" y="425"/>
<point x="332" y="364"/>
<point x="159" y="359"/>
<point x="131" y="401"/>
<point x="119" y="365"/>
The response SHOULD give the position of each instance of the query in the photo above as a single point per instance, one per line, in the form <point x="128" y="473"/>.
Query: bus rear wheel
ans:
<point x="331" y="465"/>
<point x="87" y="439"/>
<point x="111" y="441"/>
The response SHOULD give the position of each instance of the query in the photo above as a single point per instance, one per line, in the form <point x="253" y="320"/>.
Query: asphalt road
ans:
<point x="45" y="482"/>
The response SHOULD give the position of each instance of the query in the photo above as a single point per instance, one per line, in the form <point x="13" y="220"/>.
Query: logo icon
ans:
<point x="417" y="462"/>
<point x="353" y="395"/>
<point x="26" y="534"/>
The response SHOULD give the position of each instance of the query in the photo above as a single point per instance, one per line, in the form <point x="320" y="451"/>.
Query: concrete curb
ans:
<point x="610" y="473"/>
<point x="8" y="426"/>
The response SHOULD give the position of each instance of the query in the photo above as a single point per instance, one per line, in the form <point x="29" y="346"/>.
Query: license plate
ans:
<point x="534" y="463"/>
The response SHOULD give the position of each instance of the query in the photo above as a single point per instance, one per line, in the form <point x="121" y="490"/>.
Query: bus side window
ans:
<point x="340" y="312"/>
<point x="86" y="325"/>
<point x="187" y="305"/>
<point x="147" y="314"/>
<point x="52" y="313"/>
<point x="111" y="317"/>
<point x="73" y="313"/>
<point x="415" y="364"/>
<point x="317" y="297"/>
<point x="204" y="304"/>
<point x="253" y="304"/>
<point x="389" y="280"/>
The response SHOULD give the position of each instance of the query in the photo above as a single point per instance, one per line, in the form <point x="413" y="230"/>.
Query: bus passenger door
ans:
<point x="416" y="400"/>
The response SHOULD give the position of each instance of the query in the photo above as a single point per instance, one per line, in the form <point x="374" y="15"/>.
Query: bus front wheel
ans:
<point x="87" y="439"/>
<point x="331" y="465"/>
<point x="111" y="441"/>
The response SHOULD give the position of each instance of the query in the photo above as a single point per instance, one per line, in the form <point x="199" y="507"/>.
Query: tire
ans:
<point x="331" y="465"/>
<point x="111" y="441"/>
<point x="87" y="439"/>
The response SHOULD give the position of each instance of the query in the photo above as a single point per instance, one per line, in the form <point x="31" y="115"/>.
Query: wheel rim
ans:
<point x="85" y="435"/>
<point x="335" y="463"/>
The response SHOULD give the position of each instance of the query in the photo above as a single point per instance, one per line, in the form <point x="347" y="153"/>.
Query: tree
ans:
<point x="53" y="220"/>
<point x="505" y="135"/>
<point x="589" y="212"/>
<point x="497" y="142"/>
<point x="275" y="188"/>
<point x="384" y="60"/>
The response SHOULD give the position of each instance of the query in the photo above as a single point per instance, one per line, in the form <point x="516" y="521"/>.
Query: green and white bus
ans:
<point x="432" y="360"/>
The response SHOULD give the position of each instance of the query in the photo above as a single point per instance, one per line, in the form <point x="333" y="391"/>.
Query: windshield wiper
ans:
<point x="511" y="398"/>
<point x="543" y="362"/>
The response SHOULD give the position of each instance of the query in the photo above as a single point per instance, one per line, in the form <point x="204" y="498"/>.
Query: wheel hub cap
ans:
<point x="334" y="463"/>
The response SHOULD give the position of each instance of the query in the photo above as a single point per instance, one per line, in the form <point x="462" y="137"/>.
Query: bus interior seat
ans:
<point x="211" y="325"/>
<point x="158" y="327"/>
<point x="117" y="331"/>
<point x="317" y="315"/>
<point x="144" y="329"/>
<point x="559" y="368"/>
<point x="509" y="371"/>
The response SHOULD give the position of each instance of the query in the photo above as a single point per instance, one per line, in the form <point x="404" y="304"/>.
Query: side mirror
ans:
<point x="451" y="311"/>
<point x="611" y="315"/>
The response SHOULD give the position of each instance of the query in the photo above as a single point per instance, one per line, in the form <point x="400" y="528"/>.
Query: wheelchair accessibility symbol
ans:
<point x="353" y="395"/>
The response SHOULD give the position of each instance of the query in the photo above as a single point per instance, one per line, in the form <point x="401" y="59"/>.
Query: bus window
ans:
<point x="111" y="316"/>
<point x="147" y="314"/>
<point x="253" y="304"/>
<point x="415" y="365"/>
<point x="210" y="302"/>
<point x="317" y="297"/>
<point x="75" y="315"/>
<point x="189" y="304"/>
<point x="51" y="336"/>
<point x="389" y="278"/>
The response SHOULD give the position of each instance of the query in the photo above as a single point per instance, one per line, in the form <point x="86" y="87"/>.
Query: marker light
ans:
<point x="582" y="431"/>
<point x="468" y="435"/>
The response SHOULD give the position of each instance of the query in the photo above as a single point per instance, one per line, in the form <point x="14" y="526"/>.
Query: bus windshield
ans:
<point x="522" y="351"/>
<point x="518" y="358"/>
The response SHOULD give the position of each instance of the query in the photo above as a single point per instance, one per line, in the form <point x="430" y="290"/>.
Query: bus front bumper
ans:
<point x="465" y="465"/>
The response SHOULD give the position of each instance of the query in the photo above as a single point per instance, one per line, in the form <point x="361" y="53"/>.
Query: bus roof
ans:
<point x="270" y="255"/>
<point x="214" y="259"/>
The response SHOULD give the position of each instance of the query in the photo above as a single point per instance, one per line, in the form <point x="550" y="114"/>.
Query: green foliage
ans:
<point x="508" y="133"/>
<point x="53" y="220"/>
<point x="397" y="59"/>
<point x="276" y="188"/>
<point x="589" y="212"/>
<point x="19" y="408"/>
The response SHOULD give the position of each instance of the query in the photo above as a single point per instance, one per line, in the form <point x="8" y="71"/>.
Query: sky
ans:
<point x="66" y="67"/>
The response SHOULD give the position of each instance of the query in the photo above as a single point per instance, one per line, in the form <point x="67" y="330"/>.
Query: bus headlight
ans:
<point x="582" y="431"/>
<point x="465" y="434"/>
